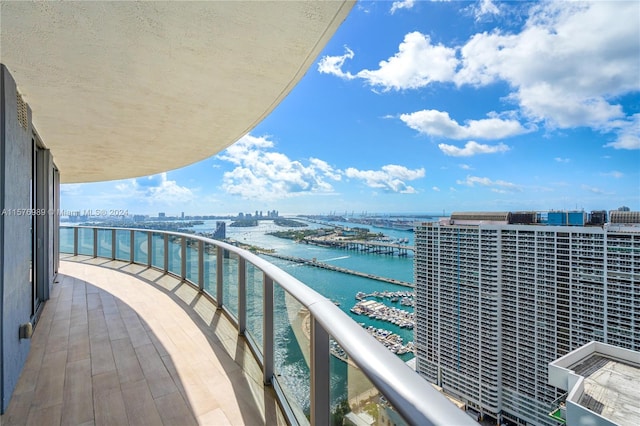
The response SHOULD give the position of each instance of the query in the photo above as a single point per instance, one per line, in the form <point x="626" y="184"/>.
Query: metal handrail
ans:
<point x="409" y="394"/>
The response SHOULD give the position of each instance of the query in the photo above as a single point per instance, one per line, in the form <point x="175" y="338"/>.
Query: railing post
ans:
<point x="75" y="241"/>
<point x="201" y="265"/>
<point x="219" y="275"/>
<point x="149" y="249"/>
<point x="95" y="242"/>
<point x="132" y="246"/>
<point x="267" y="332"/>
<point x="166" y="253"/>
<point x="242" y="295"/>
<point x="183" y="254"/>
<point x="113" y="244"/>
<point x="320" y="377"/>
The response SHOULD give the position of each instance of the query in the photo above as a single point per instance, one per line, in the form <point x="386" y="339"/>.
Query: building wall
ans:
<point x="623" y="288"/>
<point x="15" y="236"/>
<point x="458" y="309"/>
<point x="497" y="303"/>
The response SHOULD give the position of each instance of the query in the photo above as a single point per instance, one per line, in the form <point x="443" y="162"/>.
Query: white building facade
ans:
<point x="498" y="301"/>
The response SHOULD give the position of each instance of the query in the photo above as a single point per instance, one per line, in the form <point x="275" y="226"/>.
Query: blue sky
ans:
<point x="430" y="106"/>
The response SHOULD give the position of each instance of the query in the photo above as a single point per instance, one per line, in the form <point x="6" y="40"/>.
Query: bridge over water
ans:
<point x="317" y="264"/>
<point x="374" y="247"/>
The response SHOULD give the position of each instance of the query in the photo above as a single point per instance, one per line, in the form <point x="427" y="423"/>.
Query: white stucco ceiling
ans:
<point x="127" y="89"/>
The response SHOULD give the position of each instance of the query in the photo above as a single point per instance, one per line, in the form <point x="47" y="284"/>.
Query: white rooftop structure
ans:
<point x="603" y="384"/>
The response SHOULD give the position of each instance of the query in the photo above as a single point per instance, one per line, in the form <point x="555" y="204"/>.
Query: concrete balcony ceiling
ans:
<point x="128" y="89"/>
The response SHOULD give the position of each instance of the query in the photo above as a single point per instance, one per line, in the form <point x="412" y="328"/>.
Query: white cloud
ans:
<point x="628" y="136"/>
<point x="391" y="178"/>
<point x="333" y="64"/>
<point x="566" y="68"/>
<point x="465" y="167"/>
<point x="472" y="148"/>
<point x="325" y="168"/>
<point x="614" y="174"/>
<point x="261" y="173"/>
<point x="416" y="64"/>
<point x="155" y="189"/>
<point x="71" y="189"/>
<point x="404" y="4"/>
<point x="486" y="7"/>
<point x="563" y="65"/>
<point x="594" y="190"/>
<point x="562" y="160"/>
<point x="435" y="188"/>
<point x="500" y="186"/>
<point x="438" y="123"/>
<point x="170" y="192"/>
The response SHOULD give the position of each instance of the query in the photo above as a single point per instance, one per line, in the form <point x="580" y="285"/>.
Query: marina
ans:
<point x="382" y="312"/>
<point x="391" y="341"/>
<point x="339" y="287"/>
<point x="406" y="298"/>
<point x="388" y="339"/>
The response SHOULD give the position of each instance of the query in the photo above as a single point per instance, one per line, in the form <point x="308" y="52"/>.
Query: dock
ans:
<point x="315" y="263"/>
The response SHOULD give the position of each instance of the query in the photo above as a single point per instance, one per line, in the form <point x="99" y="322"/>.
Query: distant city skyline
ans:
<point x="455" y="106"/>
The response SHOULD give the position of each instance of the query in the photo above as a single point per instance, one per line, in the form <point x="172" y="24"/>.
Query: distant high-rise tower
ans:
<point x="501" y="295"/>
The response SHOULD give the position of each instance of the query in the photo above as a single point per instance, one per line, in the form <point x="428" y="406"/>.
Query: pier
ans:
<point x="315" y="263"/>
<point x="374" y="247"/>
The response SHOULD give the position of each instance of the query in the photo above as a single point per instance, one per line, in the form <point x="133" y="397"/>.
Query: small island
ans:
<point x="300" y="234"/>
<point x="289" y="223"/>
<point x="244" y="223"/>
<point x="329" y="234"/>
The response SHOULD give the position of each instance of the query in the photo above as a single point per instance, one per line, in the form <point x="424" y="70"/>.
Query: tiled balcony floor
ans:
<point x="124" y="344"/>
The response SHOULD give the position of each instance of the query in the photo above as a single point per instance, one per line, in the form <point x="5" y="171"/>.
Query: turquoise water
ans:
<point x="336" y="286"/>
<point x="289" y="360"/>
<point x="339" y="287"/>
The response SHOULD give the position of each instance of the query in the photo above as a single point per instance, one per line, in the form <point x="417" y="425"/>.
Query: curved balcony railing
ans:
<point x="280" y="316"/>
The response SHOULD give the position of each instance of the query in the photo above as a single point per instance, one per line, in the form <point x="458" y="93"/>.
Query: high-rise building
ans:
<point x="501" y="295"/>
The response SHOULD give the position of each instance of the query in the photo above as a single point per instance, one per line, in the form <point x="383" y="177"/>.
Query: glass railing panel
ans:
<point x="192" y="260"/>
<point x="85" y="241"/>
<point x="210" y="262"/>
<point x="354" y="399"/>
<point x="123" y="245"/>
<point x="140" y="247"/>
<point x="230" y="281"/>
<point x="255" y="317"/>
<point x="66" y="240"/>
<point x="175" y="255"/>
<point x="157" y="250"/>
<point x="104" y="243"/>
<point x="291" y="328"/>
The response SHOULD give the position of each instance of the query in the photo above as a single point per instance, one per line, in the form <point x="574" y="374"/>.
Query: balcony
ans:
<point x="163" y="327"/>
<point x="119" y="343"/>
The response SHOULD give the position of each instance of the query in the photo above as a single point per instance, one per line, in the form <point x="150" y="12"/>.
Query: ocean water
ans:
<point x="336" y="286"/>
<point x="290" y="363"/>
<point x="339" y="287"/>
